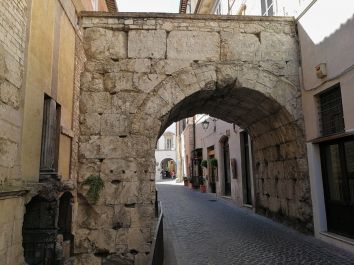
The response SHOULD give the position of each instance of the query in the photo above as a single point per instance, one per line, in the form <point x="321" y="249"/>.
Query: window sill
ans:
<point x="10" y="192"/>
<point x="330" y="137"/>
<point x="343" y="239"/>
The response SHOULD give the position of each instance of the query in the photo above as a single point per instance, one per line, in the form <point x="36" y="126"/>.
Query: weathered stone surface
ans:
<point x="242" y="72"/>
<point x="91" y="102"/>
<point x="114" y="124"/>
<point x="116" y="82"/>
<point x="92" y="82"/>
<point x="240" y="46"/>
<point x="104" y="43"/>
<point x="147" y="44"/>
<point x="192" y="45"/>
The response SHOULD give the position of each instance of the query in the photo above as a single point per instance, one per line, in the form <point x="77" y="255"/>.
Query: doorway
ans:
<point x="246" y="168"/>
<point x="226" y="169"/>
<point x="337" y="159"/>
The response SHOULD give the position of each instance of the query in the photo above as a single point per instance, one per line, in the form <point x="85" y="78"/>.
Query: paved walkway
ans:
<point x="201" y="231"/>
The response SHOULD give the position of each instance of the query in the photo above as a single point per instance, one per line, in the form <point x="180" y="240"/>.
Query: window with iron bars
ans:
<point x="331" y="111"/>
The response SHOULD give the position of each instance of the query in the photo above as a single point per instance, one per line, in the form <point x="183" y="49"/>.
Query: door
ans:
<point x="337" y="159"/>
<point x="246" y="169"/>
<point x="227" y="174"/>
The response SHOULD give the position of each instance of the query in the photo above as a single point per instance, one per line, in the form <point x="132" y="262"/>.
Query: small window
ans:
<point x="218" y="8"/>
<point x="94" y="5"/>
<point x="331" y="111"/>
<point x="267" y="7"/>
<point x="169" y="144"/>
<point x="189" y="7"/>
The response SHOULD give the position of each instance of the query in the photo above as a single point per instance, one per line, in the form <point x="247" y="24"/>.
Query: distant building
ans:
<point x="165" y="154"/>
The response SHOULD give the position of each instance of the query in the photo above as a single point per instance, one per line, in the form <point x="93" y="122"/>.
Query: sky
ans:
<point x="166" y="6"/>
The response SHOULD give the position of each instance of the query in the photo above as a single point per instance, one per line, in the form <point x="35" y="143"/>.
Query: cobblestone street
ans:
<point x="201" y="230"/>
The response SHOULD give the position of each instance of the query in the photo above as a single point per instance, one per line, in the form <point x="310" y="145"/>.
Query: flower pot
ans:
<point x="202" y="188"/>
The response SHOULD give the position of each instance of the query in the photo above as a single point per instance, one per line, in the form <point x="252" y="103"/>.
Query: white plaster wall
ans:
<point x="326" y="36"/>
<point x="209" y="137"/>
<point x="161" y="153"/>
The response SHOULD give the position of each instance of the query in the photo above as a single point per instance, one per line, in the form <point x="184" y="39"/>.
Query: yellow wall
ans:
<point x="50" y="70"/>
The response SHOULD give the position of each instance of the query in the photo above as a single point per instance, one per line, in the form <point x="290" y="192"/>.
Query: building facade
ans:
<point x="41" y="57"/>
<point x="327" y="86"/>
<point x="165" y="154"/>
<point x="327" y="98"/>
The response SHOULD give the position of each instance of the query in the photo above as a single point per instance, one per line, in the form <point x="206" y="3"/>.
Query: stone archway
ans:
<point x="137" y="81"/>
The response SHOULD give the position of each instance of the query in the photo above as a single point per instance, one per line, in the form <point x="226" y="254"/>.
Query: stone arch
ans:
<point x="267" y="105"/>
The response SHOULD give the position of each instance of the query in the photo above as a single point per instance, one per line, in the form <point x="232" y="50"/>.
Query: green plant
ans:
<point x="204" y="163"/>
<point x="95" y="184"/>
<point x="214" y="162"/>
<point x="201" y="180"/>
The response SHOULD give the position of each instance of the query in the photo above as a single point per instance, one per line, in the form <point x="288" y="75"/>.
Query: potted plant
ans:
<point x="185" y="181"/>
<point x="204" y="163"/>
<point x="213" y="163"/>
<point x="202" y="186"/>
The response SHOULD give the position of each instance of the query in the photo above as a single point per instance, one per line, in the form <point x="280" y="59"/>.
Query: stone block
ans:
<point x="133" y="65"/>
<point x="88" y="167"/>
<point x="102" y="43"/>
<point x="9" y="94"/>
<point x="147" y="82"/>
<point x="127" y="102"/>
<point x="240" y="46"/>
<point x="90" y="148"/>
<point x="116" y="82"/>
<point x="278" y="46"/>
<point x="91" y="82"/>
<point x="169" y="66"/>
<point x="8" y="152"/>
<point x="118" y="45"/>
<point x="90" y="124"/>
<point x="147" y="44"/>
<point x="99" y="102"/>
<point x="193" y="45"/>
<point x="118" y="170"/>
<point x="114" y="124"/>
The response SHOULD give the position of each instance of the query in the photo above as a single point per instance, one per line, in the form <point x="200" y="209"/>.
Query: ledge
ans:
<point x="330" y="137"/>
<point x="124" y="15"/>
<point x="343" y="239"/>
<point x="10" y="192"/>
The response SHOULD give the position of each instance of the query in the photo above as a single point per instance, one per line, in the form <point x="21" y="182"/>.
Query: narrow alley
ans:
<point x="200" y="228"/>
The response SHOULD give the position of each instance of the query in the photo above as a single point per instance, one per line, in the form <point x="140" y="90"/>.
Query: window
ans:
<point x="94" y="5"/>
<point x="331" y="111"/>
<point x="169" y="144"/>
<point x="337" y="158"/>
<point x="267" y="7"/>
<point x="189" y="7"/>
<point x="50" y="137"/>
<point x="218" y="8"/>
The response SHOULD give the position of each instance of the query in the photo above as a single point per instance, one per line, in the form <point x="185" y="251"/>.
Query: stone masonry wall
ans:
<point x="13" y="26"/>
<point x="145" y="71"/>
<point x="12" y="52"/>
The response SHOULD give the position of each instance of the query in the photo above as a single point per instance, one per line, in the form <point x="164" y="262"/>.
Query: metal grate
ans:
<point x="331" y="111"/>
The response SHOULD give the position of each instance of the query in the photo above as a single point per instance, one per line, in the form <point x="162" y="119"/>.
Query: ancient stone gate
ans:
<point x="145" y="71"/>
